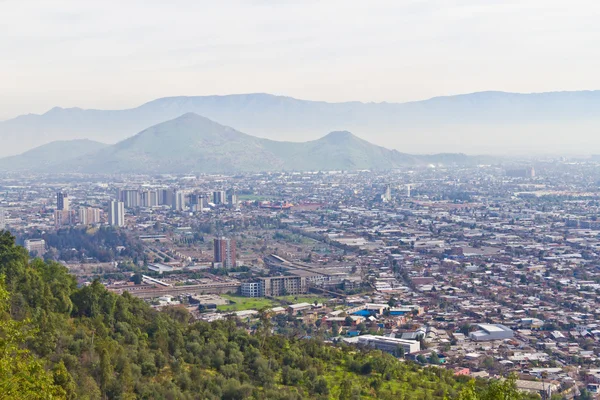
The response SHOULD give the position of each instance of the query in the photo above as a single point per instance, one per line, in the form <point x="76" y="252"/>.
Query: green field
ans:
<point x="245" y="303"/>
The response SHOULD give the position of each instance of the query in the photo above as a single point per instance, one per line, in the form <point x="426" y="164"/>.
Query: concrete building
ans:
<point x="224" y="252"/>
<point x="63" y="218"/>
<point x="129" y="197"/>
<point x="62" y="201"/>
<point x="2" y="219"/>
<point x="283" y="285"/>
<point x="179" y="200"/>
<point x="116" y="213"/>
<point x="149" y="198"/>
<point x="389" y="344"/>
<point x="36" y="246"/>
<point x="218" y="197"/>
<point x="250" y="289"/>
<point x="489" y="332"/>
<point x="89" y="216"/>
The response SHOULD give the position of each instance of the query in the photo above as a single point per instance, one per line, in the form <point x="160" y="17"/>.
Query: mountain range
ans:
<point x="49" y="155"/>
<point x="195" y="144"/>
<point x="484" y="122"/>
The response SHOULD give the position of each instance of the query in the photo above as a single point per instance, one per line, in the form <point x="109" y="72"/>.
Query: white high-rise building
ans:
<point x="2" y="219"/>
<point x="179" y="202"/>
<point x="89" y="216"/>
<point x="116" y="213"/>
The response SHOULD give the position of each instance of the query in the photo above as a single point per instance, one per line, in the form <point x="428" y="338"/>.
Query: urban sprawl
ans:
<point x="484" y="270"/>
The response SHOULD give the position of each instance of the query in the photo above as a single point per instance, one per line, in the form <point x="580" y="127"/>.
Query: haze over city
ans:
<point x="114" y="55"/>
<point x="289" y="200"/>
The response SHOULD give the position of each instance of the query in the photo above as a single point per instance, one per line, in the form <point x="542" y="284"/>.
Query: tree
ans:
<point x="400" y="351"/>
<point x="136" y="279"/>
<point x="22" y="376"/>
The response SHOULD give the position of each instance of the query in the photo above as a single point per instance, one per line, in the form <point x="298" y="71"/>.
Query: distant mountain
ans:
<point x="485" y="122"/>
<point x="49" y="155"/>
<point x="192" y="143"/>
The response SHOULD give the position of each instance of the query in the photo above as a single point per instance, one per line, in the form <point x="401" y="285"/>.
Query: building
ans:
<point x="232" y="198"/>
<point x="224" y="252"/>
<point x="387" y="194"/>
<point x="149" y="198"/>
<point x="36" y="247"/>
<point x="89" y="216"/>
<point x="527" y="172"/>
<point x="116" y="213"/>
<point x="218" y="197"/>
<point x="165" y="197"/>
<point x="488" y="332"/>
<point x="62" y="201"/>
<point x="2" y="219"/>
<point x="283" y="285"/>
<point x="129" y="197"/>
<point x="250" y="289"/>
<point x="179" y="202"/>
<point x="389" y="344"/>
<point x="63" y="218"/>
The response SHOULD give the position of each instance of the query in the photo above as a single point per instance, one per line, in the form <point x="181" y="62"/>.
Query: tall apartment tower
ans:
<point x="218" y="197"/>
<point x="129" y="197"/>
<point x="2" y="219"/>
<point x="116" y="213"/>
<point x="62" y="201"/>
<point x="179" y="202"/>
<point x="225" y="252"/>
<point x="89" y="216"/>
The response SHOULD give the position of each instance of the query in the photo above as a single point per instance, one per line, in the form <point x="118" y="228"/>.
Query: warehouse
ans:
<point x="488" y="332"/>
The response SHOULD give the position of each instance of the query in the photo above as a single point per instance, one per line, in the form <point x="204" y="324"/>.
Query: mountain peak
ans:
<point x="339" y="136"/>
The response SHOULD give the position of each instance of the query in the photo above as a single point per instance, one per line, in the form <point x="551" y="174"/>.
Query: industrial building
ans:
<point x="390" y="344"/>
<point x="489" y="332"/>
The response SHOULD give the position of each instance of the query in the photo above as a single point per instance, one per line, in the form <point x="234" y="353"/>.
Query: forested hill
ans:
<point x="59" y="341"/>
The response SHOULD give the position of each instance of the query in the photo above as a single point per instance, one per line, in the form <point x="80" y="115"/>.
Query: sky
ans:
<point x="118" y="54"/>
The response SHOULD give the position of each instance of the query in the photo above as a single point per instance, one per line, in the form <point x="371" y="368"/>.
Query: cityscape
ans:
<point x="299" y="200"/>
<point x="484" y="271"/>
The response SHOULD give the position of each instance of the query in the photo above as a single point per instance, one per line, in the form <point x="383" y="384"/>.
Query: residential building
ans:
<point x="219" y="197"/>
<point x="36" y="246"/>
<point x="224" y="252"/>
<point x="62" y="201"/>
<point x="129" y="197"/>
<point x="250" y="289"/>
<point x="116" y="213"/>
<point x="283" y="285"/>
<point x="89" y="216"/>
<point x="63" y="218"/>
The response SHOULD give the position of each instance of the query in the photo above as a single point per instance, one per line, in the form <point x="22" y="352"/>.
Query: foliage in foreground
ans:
<point x="58" y="341"/>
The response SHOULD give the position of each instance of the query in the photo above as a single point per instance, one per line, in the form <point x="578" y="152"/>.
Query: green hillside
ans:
<point x="58" y="341"/>
<point x="194" y="144"/>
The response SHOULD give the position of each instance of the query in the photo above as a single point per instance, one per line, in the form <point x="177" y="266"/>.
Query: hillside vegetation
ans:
<point x="58" y="341"/>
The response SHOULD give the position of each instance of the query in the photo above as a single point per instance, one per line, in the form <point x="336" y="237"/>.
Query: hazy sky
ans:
<point x="117" y="54"/>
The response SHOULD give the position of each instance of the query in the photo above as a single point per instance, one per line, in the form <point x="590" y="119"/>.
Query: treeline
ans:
<point x="61" y="341"/>
<point x="104" y="244"/>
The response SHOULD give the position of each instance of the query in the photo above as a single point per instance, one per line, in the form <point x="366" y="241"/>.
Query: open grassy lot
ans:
<point x="240" y="303"/>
